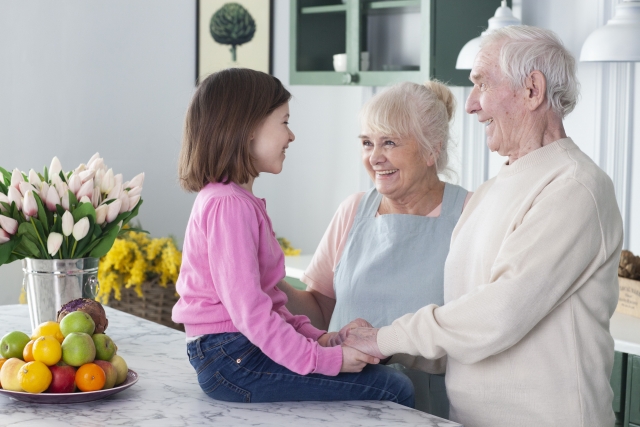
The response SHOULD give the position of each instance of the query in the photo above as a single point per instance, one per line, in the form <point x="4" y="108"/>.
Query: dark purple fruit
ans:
<point x="89" y="306"/>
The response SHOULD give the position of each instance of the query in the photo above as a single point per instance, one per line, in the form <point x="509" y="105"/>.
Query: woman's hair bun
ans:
<point x="444" y="94"/>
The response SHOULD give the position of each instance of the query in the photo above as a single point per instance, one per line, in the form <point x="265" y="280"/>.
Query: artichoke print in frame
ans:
<point x="233" y="33"/>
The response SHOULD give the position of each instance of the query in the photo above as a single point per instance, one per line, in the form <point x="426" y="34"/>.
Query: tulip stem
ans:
<point x="38" y="234"/>
<point x="73" y="251"/>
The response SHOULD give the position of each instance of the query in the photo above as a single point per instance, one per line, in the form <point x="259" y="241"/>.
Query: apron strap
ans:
<point x="369" y="204"/>
<point x="453" y="200"/>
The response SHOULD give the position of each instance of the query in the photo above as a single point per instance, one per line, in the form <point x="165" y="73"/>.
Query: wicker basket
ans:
<point x="155" y="305"/>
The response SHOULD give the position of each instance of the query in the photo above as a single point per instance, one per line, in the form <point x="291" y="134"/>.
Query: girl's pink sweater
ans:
<point x="231" y="264"/>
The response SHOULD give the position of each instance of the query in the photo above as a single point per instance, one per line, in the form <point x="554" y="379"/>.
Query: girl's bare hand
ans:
<point x="354" y="360"/>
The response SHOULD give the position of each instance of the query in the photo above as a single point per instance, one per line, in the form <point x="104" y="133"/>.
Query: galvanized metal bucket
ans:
<point x="51" y="283"/>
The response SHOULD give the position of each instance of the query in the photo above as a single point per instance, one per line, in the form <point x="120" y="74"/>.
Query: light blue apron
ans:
<point x="393" y="265"/>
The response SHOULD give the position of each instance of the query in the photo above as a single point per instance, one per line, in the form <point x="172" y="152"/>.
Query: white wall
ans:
<point x="116" y="76"/>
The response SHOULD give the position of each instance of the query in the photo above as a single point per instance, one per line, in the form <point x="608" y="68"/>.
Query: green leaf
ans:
<point x="84" y="210"/>
<point x="7" y="206"/>
<point x="132" y="229"/>
<point x="62" y="177"/>
<point x="6" y="249"/>
<point x="27" y="246"/>
<point x="42" y="214"/>
<point x="73" y="200"/>
<point x="133" y="213"/>
<point x="27" y="228"/>
<point x="6" y="176"/>
<point x="3" y="189"/>
<point x="105" y="243"/>
<point x="43" y="238"/>
<point x="45" y="172"/>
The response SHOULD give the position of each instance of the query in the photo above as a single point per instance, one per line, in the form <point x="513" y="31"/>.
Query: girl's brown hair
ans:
<point x="225" y="110"/>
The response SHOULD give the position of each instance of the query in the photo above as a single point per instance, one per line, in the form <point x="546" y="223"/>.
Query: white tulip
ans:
<point x="94" y="157"/>
<point x="34" y="179"/>
<point x="81" y="228"/>
<point x="101" y="214"/>
<point x="114" y="193"/>
<point x="67" y="223"/>
<point x="4" y="237"/>
<point x="97" y="179"/>
<point x="44" y="190"/>
<point x="85" y="199"/>
<point x="137" y="181"/>
<point x="62" y="189"/>
<point x="133" y="201"/>
<point x="96" y="198"/>
<point x="57" y="182"/>
<point x="80" y="168"/>
<point x="124" y="202"/>
<point x="25" y="186"/>
<point x="96" y="164"/>
<point x="64" y="200"/>
<point x="9" y="225"/>
<point x="52" y="199"/>
<point x="135" y="191"/>
<point x="16" y="178"/>
<point x="75" y="183"/>
<point x="15" y="196"/>
<point x="114" y="210"/>
<point x="87" y="175"/>
<point x="54" y="241"/>
<point x="108" y="181"/>
<point x="85" y="190"/>
<point x="55" y="168"/>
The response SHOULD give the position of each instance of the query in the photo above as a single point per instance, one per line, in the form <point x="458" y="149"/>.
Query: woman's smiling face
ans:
<point x="396" y="165"/>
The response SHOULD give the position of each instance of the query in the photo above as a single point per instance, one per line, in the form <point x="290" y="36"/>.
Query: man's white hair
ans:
<point x="526" y="49"/>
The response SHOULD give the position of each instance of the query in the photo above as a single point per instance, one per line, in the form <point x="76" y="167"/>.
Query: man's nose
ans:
<point x="472" y="105"/>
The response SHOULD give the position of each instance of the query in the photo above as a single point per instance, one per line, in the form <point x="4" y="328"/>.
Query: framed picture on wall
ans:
<point x="233" y="33"/>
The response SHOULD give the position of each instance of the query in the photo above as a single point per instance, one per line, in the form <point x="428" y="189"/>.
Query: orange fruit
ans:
<point x="27" y="353"/>
<point x="34" y="377"/>
<point x="90" y="377"/>
<point x="48" y="328"/>
<point x="47" y="350"/>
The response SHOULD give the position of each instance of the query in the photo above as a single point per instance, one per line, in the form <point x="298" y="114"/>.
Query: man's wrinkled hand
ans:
<point x="354" y="360"/>
<point x="339" y="337"/>
<point x="365" y="340"/>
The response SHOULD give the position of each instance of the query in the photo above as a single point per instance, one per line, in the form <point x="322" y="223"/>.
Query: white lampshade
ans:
<point x="503" y="18"/>
<point x="619" y="40"/>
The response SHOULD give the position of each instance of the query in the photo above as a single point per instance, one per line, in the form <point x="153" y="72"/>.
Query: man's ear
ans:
<point x="535" y="89"/>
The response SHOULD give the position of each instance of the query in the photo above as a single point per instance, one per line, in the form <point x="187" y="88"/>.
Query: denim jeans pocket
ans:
<point x="218" y="387"/>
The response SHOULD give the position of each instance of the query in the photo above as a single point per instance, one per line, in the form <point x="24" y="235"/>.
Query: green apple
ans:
<point x="105" y="348"/>
<point x="12" y="344"/>
<point x="122" y="368"/>
<point x="9" y="374"/>
<point x="78" y="321"/>
<point x="78" y="348"/>
<point x="110" y="372"/>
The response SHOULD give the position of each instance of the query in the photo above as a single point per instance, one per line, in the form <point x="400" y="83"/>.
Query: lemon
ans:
<point x="34" y="377"/>
<point x="47" y="350"/>
<point x="48" y="328"/>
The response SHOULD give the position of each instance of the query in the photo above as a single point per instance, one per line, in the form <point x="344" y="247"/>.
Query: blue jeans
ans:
<point x="232" y="369"/>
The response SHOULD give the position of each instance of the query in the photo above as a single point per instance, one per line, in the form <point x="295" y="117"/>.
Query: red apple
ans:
<point x="64" y="379"/>
<point x="109" y="371"/>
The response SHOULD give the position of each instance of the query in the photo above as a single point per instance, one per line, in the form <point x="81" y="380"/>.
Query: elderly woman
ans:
<point x="384" y="251"/>
<point x="530" y="280"/>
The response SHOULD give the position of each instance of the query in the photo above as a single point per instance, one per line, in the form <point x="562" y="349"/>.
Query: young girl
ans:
<point x="243" y="343"/>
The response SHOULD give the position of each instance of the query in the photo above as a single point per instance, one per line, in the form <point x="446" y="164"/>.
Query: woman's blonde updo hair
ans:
<point x="422" y="112"/>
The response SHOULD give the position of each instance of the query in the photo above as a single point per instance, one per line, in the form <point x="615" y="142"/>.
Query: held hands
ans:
<point x="354" y="360"/>
<point x="365" y="340"/>
<point x="331" y="339"/>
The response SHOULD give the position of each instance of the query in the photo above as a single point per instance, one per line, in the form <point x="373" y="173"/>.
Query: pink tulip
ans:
<point x="135" y="191"/>
<point x="9" y="225"/>
<point x="96" y="197"/>
<point x="75" y="183"/>
<point x="52" y="199"/>
<point x="29" y="205"/>
<point x="15" y="196"/>
<point x="62" y="188"/>
<point x="101" y="214"/>
<point x="24" y="187"/>
<point x="54" y="241"/>
<point x="81" y="228"/>
<point x="55" y="167"/>
<point x="57" y="182"/>
<point x="133" y="201"/>
<point x="114" y="210"/>
<point x="64" y="200"/>
<point x="4" y="198"/>
<point x="34" y="179"/>
<point x="4" y="237"/>
<point x="85" y="190"/>
<point x="67" y="223"/>
<point x="16" y="178"/>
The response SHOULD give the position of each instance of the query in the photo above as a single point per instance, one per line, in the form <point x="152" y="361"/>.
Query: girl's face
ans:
<point x="271" y="139"/>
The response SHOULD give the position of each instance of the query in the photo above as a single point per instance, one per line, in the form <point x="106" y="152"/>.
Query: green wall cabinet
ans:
<point x="323" y="28"/>
<point x="625" y="382"/>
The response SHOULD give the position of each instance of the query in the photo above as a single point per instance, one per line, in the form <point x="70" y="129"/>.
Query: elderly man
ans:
<point x="531" y="277"/>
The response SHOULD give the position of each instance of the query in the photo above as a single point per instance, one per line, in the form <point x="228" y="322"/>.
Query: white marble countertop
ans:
<point x="167" y="393"/>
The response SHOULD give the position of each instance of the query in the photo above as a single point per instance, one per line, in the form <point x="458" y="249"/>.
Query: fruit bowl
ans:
<point x="78" y="397"/>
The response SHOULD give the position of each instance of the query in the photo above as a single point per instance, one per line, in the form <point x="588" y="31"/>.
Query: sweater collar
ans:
<point x="539" y="156"/>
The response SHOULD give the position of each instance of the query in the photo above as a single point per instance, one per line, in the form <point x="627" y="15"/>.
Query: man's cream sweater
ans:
<point x="530" y="286"/>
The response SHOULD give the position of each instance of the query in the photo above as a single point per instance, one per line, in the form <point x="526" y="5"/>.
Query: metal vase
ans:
<point x="51" y="283"/>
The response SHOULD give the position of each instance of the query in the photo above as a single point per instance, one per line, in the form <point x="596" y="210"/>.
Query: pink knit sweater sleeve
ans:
<point x="240" y="253"/>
